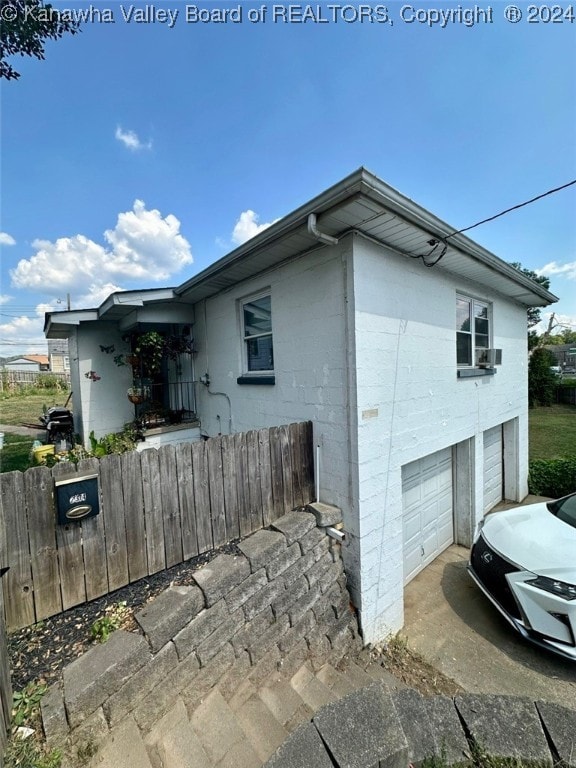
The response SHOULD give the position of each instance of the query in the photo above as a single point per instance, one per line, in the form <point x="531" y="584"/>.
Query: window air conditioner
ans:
<point x="488" y="358"/>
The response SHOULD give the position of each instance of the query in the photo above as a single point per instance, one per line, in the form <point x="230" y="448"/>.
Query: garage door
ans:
<point x="493" y="475"/>
<point x="427" y="510"/>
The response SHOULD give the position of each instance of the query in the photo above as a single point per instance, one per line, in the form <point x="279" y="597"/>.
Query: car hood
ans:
<point x="534" y="539"/>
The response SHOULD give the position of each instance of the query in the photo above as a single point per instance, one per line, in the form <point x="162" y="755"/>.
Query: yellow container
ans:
<point x="41" y="453"/>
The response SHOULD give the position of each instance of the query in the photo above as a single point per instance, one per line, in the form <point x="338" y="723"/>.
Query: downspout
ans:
<point x="320" y="236"/>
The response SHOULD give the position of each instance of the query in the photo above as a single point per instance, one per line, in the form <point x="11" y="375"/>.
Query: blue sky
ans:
<point x="137" y="154"/>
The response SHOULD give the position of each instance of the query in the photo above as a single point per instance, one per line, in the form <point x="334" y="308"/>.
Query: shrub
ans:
<point x="552" y="477"/>
<point x="541" y="379"/>
<point x="114" y="442"/>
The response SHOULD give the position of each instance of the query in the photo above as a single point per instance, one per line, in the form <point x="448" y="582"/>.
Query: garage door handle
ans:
<point x="422" y="550"/>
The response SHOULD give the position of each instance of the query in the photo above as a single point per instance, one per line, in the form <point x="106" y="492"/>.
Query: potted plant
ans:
<point x="138" y="394"/>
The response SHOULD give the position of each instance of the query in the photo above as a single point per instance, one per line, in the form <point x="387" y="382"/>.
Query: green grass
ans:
<point x="26" y="407"/>
<point x="23" y="407"/>
<point x="552" y="432"/>
<point x="16" y="453"/>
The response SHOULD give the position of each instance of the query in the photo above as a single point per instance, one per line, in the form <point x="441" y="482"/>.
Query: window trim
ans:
<point x="264" y="376"/>
<point x="474" y="301"/>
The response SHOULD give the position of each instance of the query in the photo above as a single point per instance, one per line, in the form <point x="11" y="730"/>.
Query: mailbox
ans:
<point x="77" y="499"/>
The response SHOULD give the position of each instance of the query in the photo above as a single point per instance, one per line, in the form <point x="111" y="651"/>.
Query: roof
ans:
<point x="361" y="203"/>
<point x="36" y="359"/>
<point x="365" y="204"/>
<point x="116" y="307"/>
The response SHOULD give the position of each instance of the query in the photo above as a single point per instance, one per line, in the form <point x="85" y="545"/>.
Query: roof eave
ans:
<point x="368" y="184"/>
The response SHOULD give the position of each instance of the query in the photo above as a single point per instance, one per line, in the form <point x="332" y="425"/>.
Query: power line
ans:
<point x="513" y="208"/>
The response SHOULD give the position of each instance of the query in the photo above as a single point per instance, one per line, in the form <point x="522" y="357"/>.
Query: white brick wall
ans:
<point x="365" y="348"/>
<point x="406" y="368"/>
<point x="310" y="359"/>
<point x="103" y="404"/>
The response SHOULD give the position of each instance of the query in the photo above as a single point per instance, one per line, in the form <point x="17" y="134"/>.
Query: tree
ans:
<point x="533" y="313"/>
<point x="565" y="336"/>
<point x="25" y="25"/>
<point x="541" y="379"/>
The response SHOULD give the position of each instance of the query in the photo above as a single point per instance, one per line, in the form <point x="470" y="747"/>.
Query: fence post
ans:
<point x="5" y="681"/>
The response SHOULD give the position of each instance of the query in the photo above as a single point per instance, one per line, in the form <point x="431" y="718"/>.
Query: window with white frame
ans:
<point x="472" y="329"/>
<point x="257" y="331"/>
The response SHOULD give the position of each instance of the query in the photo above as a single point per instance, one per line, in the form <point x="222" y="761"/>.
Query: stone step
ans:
<point x="246" y="730"/>
<point x="125" y="749"/>
<point x="311" y="690"/>
<point x="264" y="732"/>
<point x="337" y="682"/>
<point x="282" y="700"/>
<point x="172" y="742"/>
<point x="355" y="675"/>
<point x="221" y="735"/>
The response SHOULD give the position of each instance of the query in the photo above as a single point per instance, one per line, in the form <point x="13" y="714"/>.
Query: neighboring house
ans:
<point x="59" y="355"/>
<point x="28" y="364"/>
<point x="565" y="356"/>
<point x="364" y="313"/>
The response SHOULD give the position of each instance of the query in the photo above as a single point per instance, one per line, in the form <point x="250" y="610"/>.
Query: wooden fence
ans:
<point x="566" y="395"/>
<point x="11" y="380"/>
<point x="5" y="683"/>
<point x="158" y="508"/>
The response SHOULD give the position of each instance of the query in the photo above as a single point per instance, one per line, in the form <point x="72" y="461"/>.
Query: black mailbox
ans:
<point x="77" y="499"/>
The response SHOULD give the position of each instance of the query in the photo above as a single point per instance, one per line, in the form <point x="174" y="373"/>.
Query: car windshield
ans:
<point x="564" y="509"/>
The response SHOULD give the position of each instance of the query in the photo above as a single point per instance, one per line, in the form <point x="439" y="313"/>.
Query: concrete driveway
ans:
<point x="455" y="628"/>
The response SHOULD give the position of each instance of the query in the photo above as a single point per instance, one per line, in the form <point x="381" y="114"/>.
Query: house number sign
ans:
<point x="77" y="498"/>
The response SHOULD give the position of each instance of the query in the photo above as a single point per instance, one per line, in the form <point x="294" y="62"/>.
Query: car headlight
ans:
<point x="555" y="587"/>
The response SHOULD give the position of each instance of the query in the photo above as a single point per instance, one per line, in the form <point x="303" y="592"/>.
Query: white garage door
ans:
<point x="427" y="510"/>
<point x="493" y="475"/>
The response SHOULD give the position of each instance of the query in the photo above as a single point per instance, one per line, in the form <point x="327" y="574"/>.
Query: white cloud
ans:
<point x="143" y="247"/>
<point x="6" y="239"/>
<point x="247" y="226"/>
<point x="96" y="295"/>
<point x="24" y="333"/>
<point x="131" y="141"/>
<point x="554" y="268"/>
<point x="4" y="298"/>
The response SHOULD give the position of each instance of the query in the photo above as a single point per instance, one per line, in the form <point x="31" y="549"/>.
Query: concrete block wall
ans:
<point x="409" y="403"/>
<point x="311" y="360"/>
<point x="282" y="600"/>
<point x="101" y="406"/>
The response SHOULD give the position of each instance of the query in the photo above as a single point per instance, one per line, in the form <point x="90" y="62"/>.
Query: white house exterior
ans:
<point x="339" y="314"/>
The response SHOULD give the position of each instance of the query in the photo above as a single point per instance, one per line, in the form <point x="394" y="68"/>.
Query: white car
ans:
<point x="524" y="560"/>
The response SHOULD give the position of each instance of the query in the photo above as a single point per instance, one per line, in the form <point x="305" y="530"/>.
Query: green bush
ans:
<point x="552" y="477"/>
<point x="541" y="379"/>
<point x="115" y="442"/>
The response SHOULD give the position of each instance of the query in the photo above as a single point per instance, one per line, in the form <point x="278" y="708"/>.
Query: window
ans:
<point x="472" y="329"/>
<point x="257" y="331"/>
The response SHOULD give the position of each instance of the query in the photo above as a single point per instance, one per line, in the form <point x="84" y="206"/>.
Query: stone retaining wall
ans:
<point x="372" y="727"/>
<point x="283" y="599"/>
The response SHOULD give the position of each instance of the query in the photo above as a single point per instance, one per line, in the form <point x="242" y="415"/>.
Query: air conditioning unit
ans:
<point x="488" y="358"/>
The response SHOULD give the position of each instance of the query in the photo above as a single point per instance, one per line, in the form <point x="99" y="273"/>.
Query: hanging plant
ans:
<point x="149" y="347"/>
